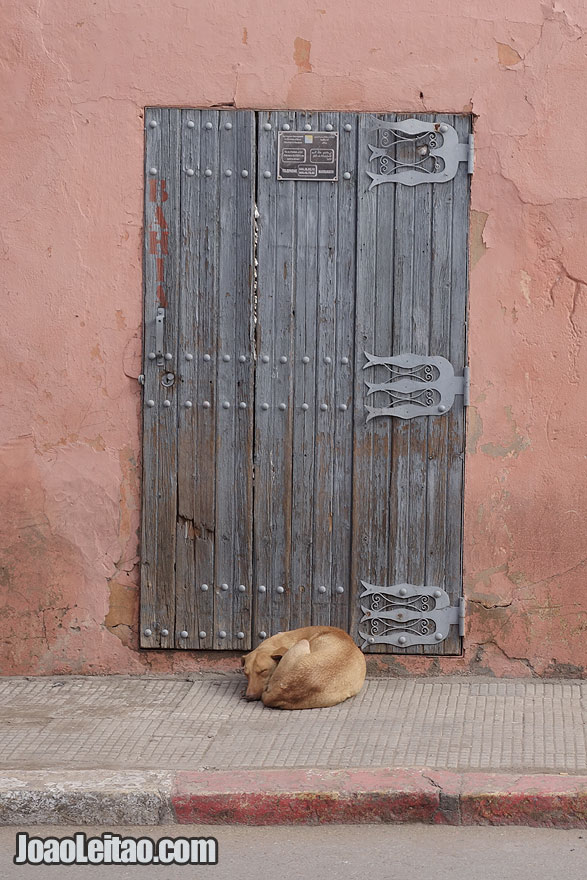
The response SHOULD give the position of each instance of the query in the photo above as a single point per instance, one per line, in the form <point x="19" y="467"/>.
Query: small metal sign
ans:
<point x="307" y="155"/>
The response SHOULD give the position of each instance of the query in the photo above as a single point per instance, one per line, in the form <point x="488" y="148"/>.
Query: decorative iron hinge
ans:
<point x="406" y="615"/>
<point x="412" y="152"/>
<point x="419" y="386"/>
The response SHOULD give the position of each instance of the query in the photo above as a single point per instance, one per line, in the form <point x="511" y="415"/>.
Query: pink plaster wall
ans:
<point x="75" y="77"/>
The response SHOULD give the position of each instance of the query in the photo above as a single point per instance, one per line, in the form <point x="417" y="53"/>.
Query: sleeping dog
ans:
<point x="307" y="668"/>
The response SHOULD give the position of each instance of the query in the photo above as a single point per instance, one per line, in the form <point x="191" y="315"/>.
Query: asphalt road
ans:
<point x="409" y="852"/>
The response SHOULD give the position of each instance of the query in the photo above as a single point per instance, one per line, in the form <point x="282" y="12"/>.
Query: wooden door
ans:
<point x="277" y="491"/>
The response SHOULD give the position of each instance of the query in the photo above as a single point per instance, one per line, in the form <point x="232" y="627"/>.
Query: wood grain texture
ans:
<point x="411" y="297"/>
<point x="161" y="270"/>
<point x="285" y="489"/>
<point x="343" y="371"/>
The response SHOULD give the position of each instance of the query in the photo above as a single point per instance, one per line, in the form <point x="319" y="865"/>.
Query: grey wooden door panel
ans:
<point x="268" y="498"/>
<point x="305" y="304"/>
<point x="414" y="242"/>
<point x="209" y="287"/>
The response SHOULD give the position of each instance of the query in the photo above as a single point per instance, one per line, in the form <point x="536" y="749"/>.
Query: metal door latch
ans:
<point x="418" y="386"/>
<point x="406" y="615"/>
<point x="159" y="324"/>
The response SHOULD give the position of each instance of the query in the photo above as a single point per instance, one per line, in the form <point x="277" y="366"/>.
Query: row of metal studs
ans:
<point x="184" y="634"/>
<point x="243" y="358"/>
<point x="242" y="405"/>
<point x="266" y="125"/>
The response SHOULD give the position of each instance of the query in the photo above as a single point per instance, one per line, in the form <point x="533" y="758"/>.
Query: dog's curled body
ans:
<point x="308" y="668"/>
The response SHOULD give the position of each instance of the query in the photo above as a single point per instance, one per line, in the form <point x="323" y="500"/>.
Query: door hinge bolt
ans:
<point x="141" y="379"/>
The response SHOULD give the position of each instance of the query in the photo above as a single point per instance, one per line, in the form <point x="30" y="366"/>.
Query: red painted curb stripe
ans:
<point x="291" y="797"/>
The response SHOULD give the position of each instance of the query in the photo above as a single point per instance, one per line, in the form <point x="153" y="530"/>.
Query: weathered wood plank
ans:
<point x="283" y="373"/>
<point x="442" y="197"/>
<point x="382" y="336"/>
<point x="160" y="421"/>
<point x="364" y="501"/>
<point x="456" y="431"/>
<point x="228" y="533"/>
<point x="305" y="274"/>
<point x="153" y="271"/>
<point x="403" y="290"/>
<point x="244" y="376"/>
<point x="205" y="352"/>
<point x="421" y="290"/>
<point x="344" y="366"/>
<point x="186" y="380"/>
<point x="167" y="463"/>
<point x="326" y="295"/>
<point x="265" y="535"/>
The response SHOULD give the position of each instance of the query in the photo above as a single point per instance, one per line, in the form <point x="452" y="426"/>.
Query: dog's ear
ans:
<point x="243" y="658"/>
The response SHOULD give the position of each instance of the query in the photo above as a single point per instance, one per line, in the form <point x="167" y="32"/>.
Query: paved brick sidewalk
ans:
<point x="163" y="747"/>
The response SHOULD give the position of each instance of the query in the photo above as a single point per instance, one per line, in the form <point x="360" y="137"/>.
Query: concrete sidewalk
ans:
<point x="122" y="750"/>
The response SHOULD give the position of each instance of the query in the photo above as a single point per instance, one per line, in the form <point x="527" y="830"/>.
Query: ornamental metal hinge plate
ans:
<point x="406" y="615"/>
<point x="412" y="152"/>
<point x="419" y="386"/>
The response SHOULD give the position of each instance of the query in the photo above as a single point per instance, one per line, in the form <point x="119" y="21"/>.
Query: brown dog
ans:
<point x="307" y="668"/>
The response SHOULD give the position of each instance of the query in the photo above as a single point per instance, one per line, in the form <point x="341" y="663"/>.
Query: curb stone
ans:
<point x="92" y="797"/>
<point x="291" y="797"/>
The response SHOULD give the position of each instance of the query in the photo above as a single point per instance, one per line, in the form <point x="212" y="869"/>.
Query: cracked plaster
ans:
<point x="75" y="82"/>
